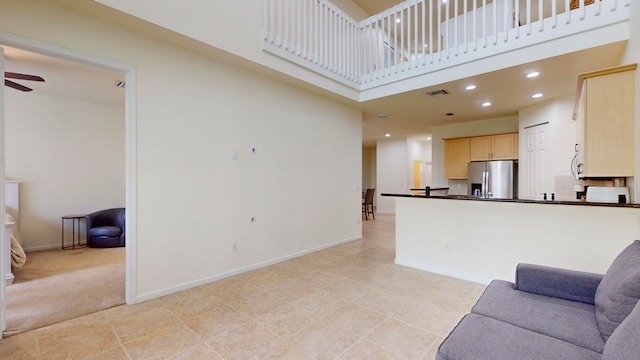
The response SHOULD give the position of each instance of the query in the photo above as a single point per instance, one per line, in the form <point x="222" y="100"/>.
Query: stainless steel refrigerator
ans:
<point x="493" y="179"/>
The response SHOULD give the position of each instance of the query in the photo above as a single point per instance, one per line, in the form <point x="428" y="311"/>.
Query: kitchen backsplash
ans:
<point x="457" y="187"/>
<point x="563" y="187"/>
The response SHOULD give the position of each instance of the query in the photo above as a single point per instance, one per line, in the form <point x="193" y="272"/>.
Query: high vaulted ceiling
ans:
<point x="373" y="7"/>
<point x="413" y="113"/>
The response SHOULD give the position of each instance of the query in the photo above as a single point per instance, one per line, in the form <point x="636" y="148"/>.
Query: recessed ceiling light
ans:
<point x="387" y="135"/>
<point x="533" y="74"/>
<point x="397" y="20"/>
<point x="536" y="96"/>
<point x="470" y="87"/>
<point x="429" y="138"/>
<point x="486" y="103"/>
<point x="383" y="116"/>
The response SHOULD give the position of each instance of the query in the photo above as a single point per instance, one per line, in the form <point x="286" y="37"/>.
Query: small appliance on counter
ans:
<point x="580" y="191"/>
<point x="608" y="194"/>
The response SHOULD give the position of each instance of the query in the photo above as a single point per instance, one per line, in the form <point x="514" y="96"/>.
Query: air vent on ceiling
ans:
<point x="383" y="116"/>
<point x="437" y="93"/>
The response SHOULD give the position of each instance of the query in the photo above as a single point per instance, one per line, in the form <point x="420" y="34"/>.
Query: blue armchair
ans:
<point x="106" y="228"/>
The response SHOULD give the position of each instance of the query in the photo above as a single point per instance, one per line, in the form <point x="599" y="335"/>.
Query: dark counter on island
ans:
<point x="524" y="201"/>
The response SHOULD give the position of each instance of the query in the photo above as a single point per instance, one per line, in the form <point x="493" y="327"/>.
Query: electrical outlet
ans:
<point x="447" y="246"/>
<point x="358" y="221"/>
<point x="234" y="246"/>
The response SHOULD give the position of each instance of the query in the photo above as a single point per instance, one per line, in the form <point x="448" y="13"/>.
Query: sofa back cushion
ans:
<point x="619" y="290"/>
<point x="623" y="344"/>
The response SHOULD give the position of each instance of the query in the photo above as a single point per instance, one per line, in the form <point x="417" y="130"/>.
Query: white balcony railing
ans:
<point x="419" y="36"/>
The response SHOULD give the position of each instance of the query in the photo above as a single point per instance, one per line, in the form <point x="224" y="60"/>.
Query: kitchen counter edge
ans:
<point x="524" y="201"/>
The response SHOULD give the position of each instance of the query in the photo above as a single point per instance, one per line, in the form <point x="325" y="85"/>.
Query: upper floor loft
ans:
<point x="413" y="45"/>
<point x="421" y="37"/>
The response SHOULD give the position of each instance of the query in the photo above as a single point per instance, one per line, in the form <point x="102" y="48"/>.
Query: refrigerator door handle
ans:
<point x="485" y="183"/>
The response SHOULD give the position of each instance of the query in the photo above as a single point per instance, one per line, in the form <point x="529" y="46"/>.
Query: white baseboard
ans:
<point x="45" y="247"/>
<point x="209" y="279"/>
<point x="436" y="270"/>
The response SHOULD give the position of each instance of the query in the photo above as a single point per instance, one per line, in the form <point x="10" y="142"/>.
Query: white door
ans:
<point x="428" y="173"/>
<point x="3" y="257"/>
<point x="535" y="168"/>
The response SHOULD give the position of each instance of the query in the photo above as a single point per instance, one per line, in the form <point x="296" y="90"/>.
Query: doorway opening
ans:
<point x="86" y="129"/>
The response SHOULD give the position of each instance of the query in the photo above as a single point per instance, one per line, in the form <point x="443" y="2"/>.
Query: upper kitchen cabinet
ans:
<point x="494" y="147"/>
<point x="456" y="158"/>
<point x="605" y="114"/>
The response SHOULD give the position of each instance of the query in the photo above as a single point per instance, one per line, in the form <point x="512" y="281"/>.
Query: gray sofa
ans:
<point x="554" y="314"/>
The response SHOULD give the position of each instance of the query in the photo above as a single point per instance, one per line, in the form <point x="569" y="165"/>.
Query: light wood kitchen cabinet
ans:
<point x="606" y="126"/>
<point x="480" y="147"/>
<point x="494" y="147"/>
<point x="456" y="158"/>
<point x="504" y="146"/>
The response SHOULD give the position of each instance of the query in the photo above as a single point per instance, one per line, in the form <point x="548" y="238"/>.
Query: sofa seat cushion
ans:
<point x="619" y="290"/>
<point x="481" y="337"/>
<point x="565" y="320"/>
<point x="108" y="231"/>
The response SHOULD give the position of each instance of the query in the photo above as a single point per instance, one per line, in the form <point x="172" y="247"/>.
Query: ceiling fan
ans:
<point x="18" y="76"/>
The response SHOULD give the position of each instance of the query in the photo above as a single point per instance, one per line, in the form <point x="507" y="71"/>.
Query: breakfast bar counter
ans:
<point x="524" y="201"/>
<point x="483" y="239"/>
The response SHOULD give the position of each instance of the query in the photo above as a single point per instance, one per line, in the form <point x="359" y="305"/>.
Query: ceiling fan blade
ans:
<point x="16" y="86"/>
<point x="19" y="76"/>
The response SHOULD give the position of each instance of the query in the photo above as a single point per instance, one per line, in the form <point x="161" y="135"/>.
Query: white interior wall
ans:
<point x="373" y="179"/>
<point x="632" y="56"/>
<point x="193" y="112"/>
<point x="366" y="166"/>
<point x="394" y="168"/>
<point x="563" y="132"/>
<point x="560" y="141"/>
<point x="69" y="157"/>
<point x="4" y="259"/>
<point x="211" y="22"/>
<point x="484" y="240"/>
<point x="391" y="172"/>
<point x="418" y="150"/>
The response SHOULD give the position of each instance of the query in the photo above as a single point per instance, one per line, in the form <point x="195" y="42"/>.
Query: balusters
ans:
<point x="413" y="36"/>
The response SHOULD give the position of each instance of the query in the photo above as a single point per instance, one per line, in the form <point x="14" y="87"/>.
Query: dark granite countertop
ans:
<point x="524" y="201"/>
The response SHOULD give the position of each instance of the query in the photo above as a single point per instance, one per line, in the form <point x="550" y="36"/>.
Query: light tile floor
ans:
<point x="347" y="302"/>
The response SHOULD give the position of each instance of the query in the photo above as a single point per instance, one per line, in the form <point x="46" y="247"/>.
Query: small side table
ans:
<point x="75" y="229"/>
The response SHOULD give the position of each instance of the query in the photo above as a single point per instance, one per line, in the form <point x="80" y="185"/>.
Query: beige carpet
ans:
<point x="59" y="285"/>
